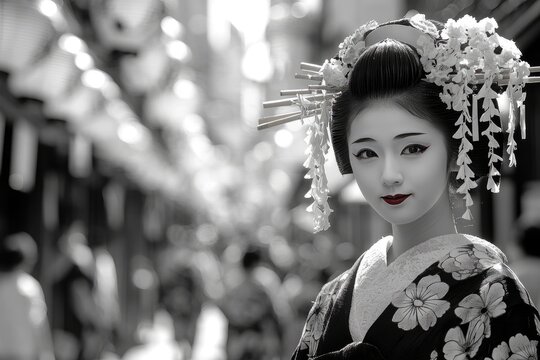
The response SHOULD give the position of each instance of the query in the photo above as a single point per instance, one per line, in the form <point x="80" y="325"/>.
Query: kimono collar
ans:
<point x="376" y="283"/>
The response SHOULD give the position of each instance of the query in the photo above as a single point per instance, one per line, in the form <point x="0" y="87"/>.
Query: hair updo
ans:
<point x="391" y="70"/>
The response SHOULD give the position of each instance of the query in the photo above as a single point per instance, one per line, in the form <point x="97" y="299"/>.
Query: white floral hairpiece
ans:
<point x="469" y="52"/>
<point x="336" y="70"/>
<point x="465" y="53"/>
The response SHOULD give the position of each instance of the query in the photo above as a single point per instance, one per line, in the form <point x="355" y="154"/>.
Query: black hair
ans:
<point x="391" y="70"/>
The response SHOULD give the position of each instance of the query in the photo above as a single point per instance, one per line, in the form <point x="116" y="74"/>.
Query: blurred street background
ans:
<point x="143" y="215"/>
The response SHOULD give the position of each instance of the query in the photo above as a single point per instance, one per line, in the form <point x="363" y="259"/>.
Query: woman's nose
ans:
<point x="391" y="175"/>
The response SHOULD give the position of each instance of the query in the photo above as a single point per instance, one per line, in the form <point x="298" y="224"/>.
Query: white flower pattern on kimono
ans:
<point x="501" y="352"/>
<point x="421" y="304"/>
<point x="523" y="348"/>
<point x="467" y="261"/>
<point x="433" y="355"/>
<point x="461" y="347"/>
<point x="483" y="306"/>
<point x="315" y="323"/>
<point x="314" y="327"/>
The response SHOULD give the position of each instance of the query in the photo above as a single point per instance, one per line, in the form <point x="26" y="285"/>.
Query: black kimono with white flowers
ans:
<point x="466" y="305"/>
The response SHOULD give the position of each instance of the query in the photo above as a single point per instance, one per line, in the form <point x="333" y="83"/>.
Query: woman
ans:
<point x="426" y="291"/>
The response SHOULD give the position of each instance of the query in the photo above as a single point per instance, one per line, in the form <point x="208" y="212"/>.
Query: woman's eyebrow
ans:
<point x="399" y="136"/>
<point x="366" y="139"/>
<point x="404" y="135"/>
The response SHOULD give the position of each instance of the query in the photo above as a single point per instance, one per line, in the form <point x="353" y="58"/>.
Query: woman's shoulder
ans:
<point x="471" y="257"/>
<point x="480" y="261"/>
<point x="477" y="249"/>
<point x="486" y="245"/>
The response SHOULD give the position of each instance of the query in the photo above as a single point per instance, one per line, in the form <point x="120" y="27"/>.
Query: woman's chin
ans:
<point x="399" y="217"/>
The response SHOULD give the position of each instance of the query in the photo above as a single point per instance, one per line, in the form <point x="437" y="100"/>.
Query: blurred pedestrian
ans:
<point x="75" y="315"/>
<point x="254" y="330"/>
<point x="24" y="326"/>
<point x="198" y="326"/>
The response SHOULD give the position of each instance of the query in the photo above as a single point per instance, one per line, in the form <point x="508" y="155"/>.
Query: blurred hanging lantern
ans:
<point x="50" y="77"/>
<point x="86" y="94"/>
<point x="126" y="25"/>
<point x="26" y="32"/>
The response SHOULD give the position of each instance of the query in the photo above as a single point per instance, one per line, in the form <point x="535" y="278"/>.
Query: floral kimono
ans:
<point x="452" y="297"/>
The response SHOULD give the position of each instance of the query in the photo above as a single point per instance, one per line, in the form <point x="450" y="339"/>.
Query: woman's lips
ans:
<point x="395" y="199"/>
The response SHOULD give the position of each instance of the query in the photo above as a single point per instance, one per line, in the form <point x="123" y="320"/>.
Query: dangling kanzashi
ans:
<point x="465" y="53"/>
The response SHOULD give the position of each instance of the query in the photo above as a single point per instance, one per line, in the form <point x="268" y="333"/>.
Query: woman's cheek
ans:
<point x="366" y="185"/>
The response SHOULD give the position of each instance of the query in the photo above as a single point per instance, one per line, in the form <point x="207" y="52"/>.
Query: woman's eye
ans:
<point x="414" y="149"/>
<point x="365" y="154"/>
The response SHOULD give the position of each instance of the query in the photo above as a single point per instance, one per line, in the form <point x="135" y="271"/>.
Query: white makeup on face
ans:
<point x="399" y="162"/>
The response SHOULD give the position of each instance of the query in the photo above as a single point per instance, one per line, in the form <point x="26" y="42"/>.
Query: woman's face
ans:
<point x="399" y="162"/>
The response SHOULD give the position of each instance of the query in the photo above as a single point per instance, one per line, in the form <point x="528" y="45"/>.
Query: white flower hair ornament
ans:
<point x="465" y="59"/>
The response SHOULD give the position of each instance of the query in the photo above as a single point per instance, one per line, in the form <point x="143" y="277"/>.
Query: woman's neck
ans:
<point x="437" y="221"/>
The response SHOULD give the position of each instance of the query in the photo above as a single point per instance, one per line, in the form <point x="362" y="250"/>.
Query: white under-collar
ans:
<point x="376" y="283"/>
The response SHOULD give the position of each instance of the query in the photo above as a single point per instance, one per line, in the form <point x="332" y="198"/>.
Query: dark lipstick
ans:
<point x="395" y="199"/>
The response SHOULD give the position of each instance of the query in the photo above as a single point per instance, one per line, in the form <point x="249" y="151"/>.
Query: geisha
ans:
<point x="413" y="116"/>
